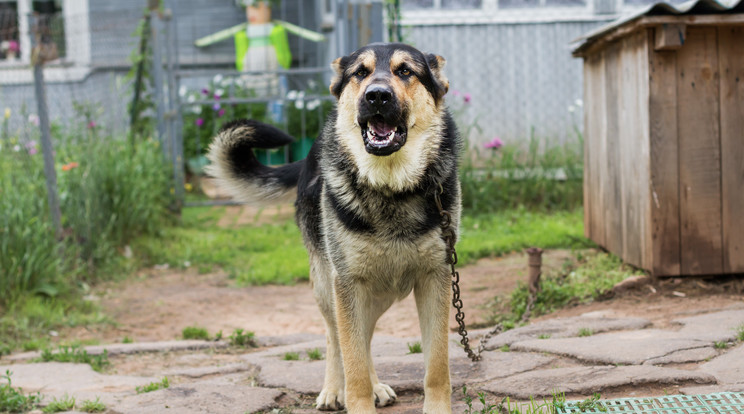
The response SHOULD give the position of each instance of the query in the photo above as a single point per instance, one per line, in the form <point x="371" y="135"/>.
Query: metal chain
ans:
<point x="449" y="237"/>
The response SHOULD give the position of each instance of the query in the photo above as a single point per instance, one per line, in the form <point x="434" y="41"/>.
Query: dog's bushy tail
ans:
<point x="238" y="171"/>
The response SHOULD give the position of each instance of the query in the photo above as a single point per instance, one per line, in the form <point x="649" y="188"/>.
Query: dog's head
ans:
<point x="389" y="92"/>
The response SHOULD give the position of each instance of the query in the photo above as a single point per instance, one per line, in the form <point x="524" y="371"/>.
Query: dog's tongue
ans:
<point x="379" y="127"/>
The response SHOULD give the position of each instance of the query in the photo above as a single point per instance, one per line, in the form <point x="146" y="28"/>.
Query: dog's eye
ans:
<point x="404" y="72"/>
<point x="361" y="73"/>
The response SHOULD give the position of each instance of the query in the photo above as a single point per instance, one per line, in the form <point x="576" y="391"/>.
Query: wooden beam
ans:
<point x="669" y="36"/>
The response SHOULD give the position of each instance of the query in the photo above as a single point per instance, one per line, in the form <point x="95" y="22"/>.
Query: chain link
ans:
<point x="449" y="237"/>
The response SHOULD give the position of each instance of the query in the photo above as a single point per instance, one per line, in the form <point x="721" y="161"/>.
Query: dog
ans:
<point x="365" y="203"/>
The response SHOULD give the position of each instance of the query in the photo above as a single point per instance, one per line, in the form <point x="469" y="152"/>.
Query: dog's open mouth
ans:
<point x="381" y="137"/>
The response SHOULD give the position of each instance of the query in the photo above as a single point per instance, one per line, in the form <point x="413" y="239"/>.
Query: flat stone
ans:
<point x="683" y="356"/>
<point x="55" y="379"/>
<point x="713" y="327"/>
<point x="201" y="398"/>
<point x="727" y="368"/>
<point x="710" y="389"/>
<point x="291" y="339"/>
<point x="134" y="348"/>
<point x="393" y="364"/>
<point x="565" y="328"/>
<point x="200" y="372"/>
<point x="637" y="346"/>
<point x="587" y="380"/>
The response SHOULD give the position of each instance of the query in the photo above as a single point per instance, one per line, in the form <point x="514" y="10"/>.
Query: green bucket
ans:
<point x="271" y="157"/>
<point x="300" y="148"/>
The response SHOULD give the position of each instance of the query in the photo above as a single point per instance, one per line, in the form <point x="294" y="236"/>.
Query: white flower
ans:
<point x="197" y="109"/>
<point x="292" y="95"/>
<point x="17" y="148"/>
<point x="313" y="104"/>
<point x="219" y="92"/>
<point x="182" y="91"/>
<point x="34" y="119"/>
<point x="311" y="84"/>
<point x="299" y="104"/>
<point x="301" y="95"/>
<point x="191" y="98"/>
<point x="579" y="103"/>
<point x="217" y="79"/>
<point x="571" y="109"/>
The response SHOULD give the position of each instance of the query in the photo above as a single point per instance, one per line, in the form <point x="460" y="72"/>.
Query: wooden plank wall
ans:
<point x="594" y="148"/>
<point x="664" y="156"/>
<point x="731" y="64"/>
<point x="698" y="116"/>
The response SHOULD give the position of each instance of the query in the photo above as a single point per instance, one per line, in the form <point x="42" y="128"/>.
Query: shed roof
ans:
<point x="654" y="15"/>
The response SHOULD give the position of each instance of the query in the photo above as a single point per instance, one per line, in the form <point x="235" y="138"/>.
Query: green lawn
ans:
<point x="275" y="253"/>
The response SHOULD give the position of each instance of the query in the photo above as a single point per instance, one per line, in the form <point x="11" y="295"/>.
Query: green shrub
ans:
<point x="195" y="332"/>
<point x="93" y="406"/>
<point x="153" y="386"/>
<point x="12" y="400"/>
<point x="315" y="354"/>
<point x="414" y="348"/>
<point x="76" y="354"/>
<point x="291" y="356"/>
<point x="65" y="403"/>
<point x="241" y="338"/>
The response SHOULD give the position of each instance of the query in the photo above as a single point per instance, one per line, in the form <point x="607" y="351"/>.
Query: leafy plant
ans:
<point x="543" y="336"/>
<point x="65" y="403"/>
<point x="242" y="338"/>
<point x="153" y="386"/>
<point x="292" y="356"/>
<point x="75" y="354"/>
<point x="93" y="406"/>
<point x="720" y="345"/>
<point x="740" y="333"/>
<point x="195" y="332"/>
<point x="315" y="354"/>
<point x="585" y="332"/>
<point x="127" y="340"/>
<point x="13" y="400"/>
<point x="414" y="348"/>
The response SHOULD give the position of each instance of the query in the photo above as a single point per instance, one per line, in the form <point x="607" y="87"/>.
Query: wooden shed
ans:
<point x="664" y="138"/>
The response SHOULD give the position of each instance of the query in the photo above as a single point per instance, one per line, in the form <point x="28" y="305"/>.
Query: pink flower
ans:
<point x="221" y="112"/>
<point x="199" y="122"/>
<point x="34" y="119"/>
<point x="466" y="97"/>
<point x="205" y="91"/>
<point x="216" y="106"/>
<point x="13" y="46"/>
<point x="33" y="151"/>
<point x="495" y="143"/>
<point x="216" y="97"/>
<point x="91" y="124"/>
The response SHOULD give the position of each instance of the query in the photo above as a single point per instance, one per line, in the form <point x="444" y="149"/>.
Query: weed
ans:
<point x="126" y="340"/>
<point x="218" y="336"/>
<point x="543" y="336"/>
<point x="66" y="403"/>
<point x="720" y="345"/>
<point x="13" y="400"/>
<point x="153" y="386"/>
<point x="740" y="333"/>
<point x="195" y="332"/>
<point x="93" y="406"/>
<point x="34" y="344"/>
<point x="591" y="403"/>
<point x="242" y="338"/>
<point x="414" y="348"/>
<point x="506" y="405"/>
<point x="505" y="348"/>
<point x="585" y="332"/>
<point x="76" y="354"/>
<point x="292" y="356"/>
<point x="315" y="354"/>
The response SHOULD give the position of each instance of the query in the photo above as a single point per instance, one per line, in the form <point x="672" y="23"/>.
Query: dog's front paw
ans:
<point x="330" y="400"/>
<point x="384" y="395"/>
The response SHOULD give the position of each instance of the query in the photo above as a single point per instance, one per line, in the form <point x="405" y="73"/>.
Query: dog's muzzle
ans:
<point x="380" y="118"/>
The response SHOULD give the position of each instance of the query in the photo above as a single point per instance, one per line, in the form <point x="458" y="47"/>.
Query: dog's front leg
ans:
<point x="354" y="327"/>
<point x="432" y="300"/>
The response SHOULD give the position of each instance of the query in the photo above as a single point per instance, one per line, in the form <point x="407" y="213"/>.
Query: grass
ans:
<point x="75" y="354"/>
<point x="195" y="332"/>
<point x="291" y="356"/>
<point x="249" y="254"/>
<point x="65" y="403"/>
<point x="587" y="278"/>
<point x="585" y="332"/>
<point x="92" y="406"/>
<point x="153" y="386"/>
<point x="720" y="345"/>
<point x="315" y="354"/>
<point x="740" y="333"/>
<point x="543" y="336"/>
<point x="239" y="337"/>
<point x="507" y="406"/>
<point x="13" y="400"/>
<point x="414" y="348"/>
<point x="127" y="340"/>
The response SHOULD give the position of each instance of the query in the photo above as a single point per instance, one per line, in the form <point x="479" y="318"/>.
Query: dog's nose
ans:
<point x="378" y="95"/>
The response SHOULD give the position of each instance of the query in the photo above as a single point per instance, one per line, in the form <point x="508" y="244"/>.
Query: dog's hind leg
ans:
<point x="432" y="300"/>
<point x="332" y="395"/>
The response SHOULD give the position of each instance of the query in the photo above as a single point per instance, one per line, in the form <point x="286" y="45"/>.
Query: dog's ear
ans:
<point x="337" y="82"/>
<point x="436" y="66"/>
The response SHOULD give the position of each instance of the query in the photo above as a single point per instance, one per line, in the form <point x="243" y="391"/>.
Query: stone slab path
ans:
<point x="579" y="355"/>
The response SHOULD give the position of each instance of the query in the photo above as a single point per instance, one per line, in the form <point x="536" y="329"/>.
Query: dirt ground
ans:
<point x="160" y="303"/>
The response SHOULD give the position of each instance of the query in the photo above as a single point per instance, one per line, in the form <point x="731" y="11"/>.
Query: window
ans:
<point x="10" y="41"/>
<point x="440" y="4"/>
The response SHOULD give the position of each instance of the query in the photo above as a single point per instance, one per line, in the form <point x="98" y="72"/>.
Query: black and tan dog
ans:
<point x="365" y="205"/>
